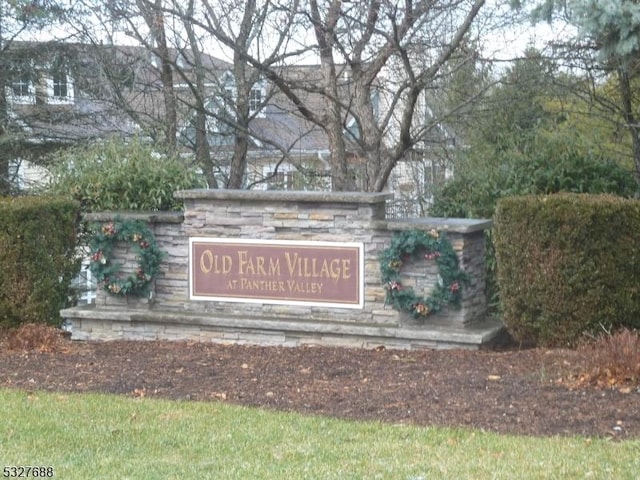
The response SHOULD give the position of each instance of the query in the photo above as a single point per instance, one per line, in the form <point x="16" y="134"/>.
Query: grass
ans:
<point x="111" y="437"/>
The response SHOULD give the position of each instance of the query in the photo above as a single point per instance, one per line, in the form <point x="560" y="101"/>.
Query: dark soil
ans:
<point x="522" y="392"/>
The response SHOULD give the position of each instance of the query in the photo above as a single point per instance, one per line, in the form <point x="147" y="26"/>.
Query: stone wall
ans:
<point x="290" y="216"/>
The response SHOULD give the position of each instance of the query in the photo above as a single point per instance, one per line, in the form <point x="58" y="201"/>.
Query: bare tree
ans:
<point x="202" y="146"/>
<point x="19" y="20"/>
<point x="152" y="12"/>
<point x="380" y="63"/>
<point x="197" y="92"/>
<point x="245" y="25"/>
<point x="376" y="60"/>
<point x="382" y="46"/>
<point x="145" y="80"/>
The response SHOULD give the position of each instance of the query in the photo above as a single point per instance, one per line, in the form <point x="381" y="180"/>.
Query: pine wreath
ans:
<point x="431" y="246"/>
<point x="107" y="272"/>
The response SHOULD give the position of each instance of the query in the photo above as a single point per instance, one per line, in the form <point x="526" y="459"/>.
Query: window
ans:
<point x="296" y="180"/>
<point x="22" y="90"/>
<point x="228" y="100"/>
<point x="255" y="99"/>
<point x="155" y="60"/>
<point x="22" y="86"/>
<point x="280" y="180"/>
<point x="435" y="173"/>
<point x="60" y="88"/>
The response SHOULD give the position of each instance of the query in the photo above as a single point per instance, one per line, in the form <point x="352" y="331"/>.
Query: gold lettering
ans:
<point x="214" y="263"/>
<point x="260" y="266"/>
<point x="346" y="268"/>
<point x="312" y="267"/>
<point x="335" y="268"/>
<point x="226" y="264"/>
<point x="314" y="271"/>
<point x="210" y="262"/>
<point x="324" y="271"/>
<point x="274" y="266"/>
<point x="206" y="261"/>
<point x="307" y="273"/>
<point x="294" y="286"/>
<point x="291" y="263"/>
<point x="245" y="264"/>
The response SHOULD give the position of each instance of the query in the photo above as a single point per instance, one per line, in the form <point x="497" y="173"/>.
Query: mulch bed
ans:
<point x="521" y="392"/>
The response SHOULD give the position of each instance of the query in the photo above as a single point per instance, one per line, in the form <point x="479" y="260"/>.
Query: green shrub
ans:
<point x="548" y="164"/>
<point x="567" y="264"/>
<point x="551" y="167"/>
<point x="37" y="258"/>
<point x="114" y="175"/>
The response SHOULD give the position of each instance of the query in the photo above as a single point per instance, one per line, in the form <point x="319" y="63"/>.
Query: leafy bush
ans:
<point x="115" y="175"/>
<point x="541" y="163"/>
<point x="567" y="264"/>
<point x="546" y="165"/>
<point x="37" y="258"/>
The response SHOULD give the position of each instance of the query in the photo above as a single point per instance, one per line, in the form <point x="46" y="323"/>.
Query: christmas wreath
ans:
<point x="431" y="246"/>
<point x="143" y="244"/>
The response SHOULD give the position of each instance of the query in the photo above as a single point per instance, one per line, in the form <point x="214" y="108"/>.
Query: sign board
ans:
<point x="277" y="272"/>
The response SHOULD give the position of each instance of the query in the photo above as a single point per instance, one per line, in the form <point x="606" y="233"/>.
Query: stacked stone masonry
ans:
<point x="290" y="216"/>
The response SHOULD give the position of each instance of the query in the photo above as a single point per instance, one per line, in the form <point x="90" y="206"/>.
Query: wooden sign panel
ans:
<point x="277" y="272"/>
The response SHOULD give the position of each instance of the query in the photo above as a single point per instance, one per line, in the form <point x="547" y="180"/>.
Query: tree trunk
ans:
<point x="324" y="31"/>
<point x="244" y="83"/>
<point x="238" y="164"/>
<point x="629" y="117"/>
<point x="370" y="142"/>
<point x="203" y="149"/>
<point x="342" y="180"/>
<point x="5" y="185"/>
<point x="154" y="17"/>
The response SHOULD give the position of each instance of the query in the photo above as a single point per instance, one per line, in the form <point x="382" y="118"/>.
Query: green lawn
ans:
<point x="112" y="437"/>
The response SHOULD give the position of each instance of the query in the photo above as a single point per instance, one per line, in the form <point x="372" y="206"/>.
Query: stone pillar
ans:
<point x="290" y="218"/>
<point x="295" y="216"/>
<point x="167" y="229"/>
<point x="467" y="237"/>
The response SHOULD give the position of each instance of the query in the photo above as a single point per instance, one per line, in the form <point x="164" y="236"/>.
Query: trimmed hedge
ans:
<point x="567" y="264"/>
<point x="37" y="258"/>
